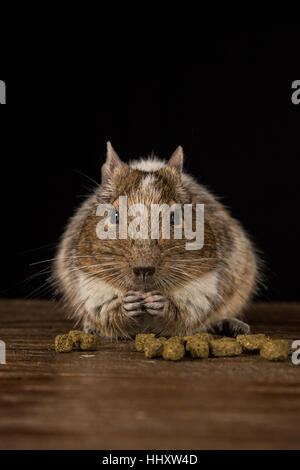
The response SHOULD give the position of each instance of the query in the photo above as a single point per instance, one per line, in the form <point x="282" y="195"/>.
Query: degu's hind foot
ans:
<point x="230" y="327"/>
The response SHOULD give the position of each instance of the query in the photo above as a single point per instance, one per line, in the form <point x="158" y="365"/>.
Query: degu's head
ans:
<point x="144" y="230"/>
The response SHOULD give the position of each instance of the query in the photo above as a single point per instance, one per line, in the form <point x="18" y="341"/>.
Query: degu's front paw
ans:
<point x="154" y="302"/>
<point x="133" y="303"/>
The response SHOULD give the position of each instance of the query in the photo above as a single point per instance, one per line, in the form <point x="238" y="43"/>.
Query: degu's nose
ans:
<point x="142" y="272"/>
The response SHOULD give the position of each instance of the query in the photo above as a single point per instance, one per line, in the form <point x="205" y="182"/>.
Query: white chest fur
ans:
<point x="197" y="296"/>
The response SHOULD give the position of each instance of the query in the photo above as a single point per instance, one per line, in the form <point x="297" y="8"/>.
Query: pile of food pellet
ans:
<point x="198" y="346"/>
<point x="204" y="345"/>
<point x="76" y="339"/>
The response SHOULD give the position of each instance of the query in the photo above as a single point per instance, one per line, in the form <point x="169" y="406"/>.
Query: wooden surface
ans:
<point x="118" y="400"/>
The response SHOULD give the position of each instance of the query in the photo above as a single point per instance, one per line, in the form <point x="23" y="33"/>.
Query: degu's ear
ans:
<point x="112" y="162"/>
<point x="176" y="160"/>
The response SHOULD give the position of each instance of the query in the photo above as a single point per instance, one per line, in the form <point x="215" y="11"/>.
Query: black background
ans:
<point x="78" y="76"/>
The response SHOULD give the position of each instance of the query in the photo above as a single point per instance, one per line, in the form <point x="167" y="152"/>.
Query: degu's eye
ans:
<point x="116" y="217"/>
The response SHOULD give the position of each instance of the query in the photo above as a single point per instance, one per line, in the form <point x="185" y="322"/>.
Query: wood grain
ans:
<point x="116" y="399"/>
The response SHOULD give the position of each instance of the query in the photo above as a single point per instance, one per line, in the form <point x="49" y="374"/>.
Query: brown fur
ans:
<point x="94" y="275"/>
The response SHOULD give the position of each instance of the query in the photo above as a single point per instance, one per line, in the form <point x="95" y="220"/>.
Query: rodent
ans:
<point x="117" y="288"/>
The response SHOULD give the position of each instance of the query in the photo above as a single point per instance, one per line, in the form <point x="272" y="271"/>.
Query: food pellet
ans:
<point x="252" y="343"/>
<point x="204" y="336"/>
<point x="140" y="340"/>
<point x="173" y="350"/>
<point x="276" y="350"/>
<point x="76" y="336"/>
<point x="225" y="347"/>
<point x="197" y="347"/>
<point x="177" y="338"/>
<point x="76" y="339"/>
<point x="153" y="347"/>
<point x="63" y="343"/>
<point x="89" y="342"/>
